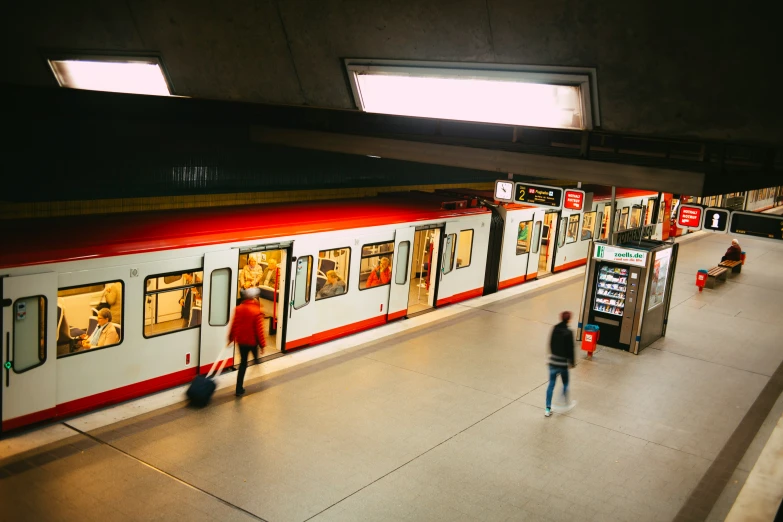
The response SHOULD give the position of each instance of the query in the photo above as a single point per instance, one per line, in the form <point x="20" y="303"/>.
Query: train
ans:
<point x="104" y="308"/>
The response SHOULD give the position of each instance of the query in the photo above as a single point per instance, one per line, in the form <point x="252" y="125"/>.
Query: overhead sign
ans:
<point x="574" y="199"/>
<point x="620" y="255"/>
<point x="765" y="226"/>
<point x="538" y="195"/>
<point x="689" y="216"/>
<point x="504" y="190"/>
<point x="716" y="220"/>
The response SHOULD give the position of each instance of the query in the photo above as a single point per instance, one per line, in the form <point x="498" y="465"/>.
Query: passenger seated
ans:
<point x="380" y="275"/>
<point x="734" y="252"/>
<point x="112" y="295"/>
<point x="105" y="334"/>
<point x="250" y="274"/>
<point x="269" y="275"/>
<point x="334" y="286"/>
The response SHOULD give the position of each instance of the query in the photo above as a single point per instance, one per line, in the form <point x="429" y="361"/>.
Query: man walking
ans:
<point x="247" y="330"/>
<point x="561" y="346"/>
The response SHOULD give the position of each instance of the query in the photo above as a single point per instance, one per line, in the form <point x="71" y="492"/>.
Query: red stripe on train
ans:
<point x="334" y="333"/>
<point x="511" y="282"/>
<point x="568" y="266"/>
<point x="461" y="296"/>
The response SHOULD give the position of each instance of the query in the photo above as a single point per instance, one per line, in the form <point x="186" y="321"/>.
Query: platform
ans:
<point x="444" y="421"/>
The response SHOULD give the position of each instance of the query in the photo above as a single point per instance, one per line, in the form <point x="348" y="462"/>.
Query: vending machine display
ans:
<point x="610" y="292"/>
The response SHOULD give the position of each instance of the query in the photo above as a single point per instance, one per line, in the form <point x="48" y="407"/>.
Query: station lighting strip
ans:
<point x="553" y="97"/>
<point x="133" y="75"/>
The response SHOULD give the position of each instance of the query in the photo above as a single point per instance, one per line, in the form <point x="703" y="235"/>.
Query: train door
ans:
<point x="423" y="270"/>
<point x="29" y="349"/>
<point x="447" y="279"/>
<point x="404" y="240"/>
<point x="301" y="321"/>
<point x="548" y="237"/>
<point x="217" y="303"/>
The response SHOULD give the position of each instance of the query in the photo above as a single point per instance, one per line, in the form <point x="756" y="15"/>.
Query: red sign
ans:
<point x="574" y="199"/>
<point x="689" y="216"/>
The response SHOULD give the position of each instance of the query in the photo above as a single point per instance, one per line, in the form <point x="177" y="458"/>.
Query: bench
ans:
<point x="715" y="273"/>
<point x="736" y="266"/>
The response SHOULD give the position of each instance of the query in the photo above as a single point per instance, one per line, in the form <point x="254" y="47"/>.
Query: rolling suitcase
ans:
<point x="203" y="386"/>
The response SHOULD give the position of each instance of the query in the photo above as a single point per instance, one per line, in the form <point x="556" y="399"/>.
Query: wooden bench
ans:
<point x="715" y="273"/>
<point x="736" y="266"/>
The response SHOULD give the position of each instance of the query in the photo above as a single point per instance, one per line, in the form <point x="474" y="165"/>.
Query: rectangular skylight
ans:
<point x="535" y="99"/>
<point x="128" y="75"/>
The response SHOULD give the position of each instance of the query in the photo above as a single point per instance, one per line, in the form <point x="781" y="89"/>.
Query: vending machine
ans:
<point x="627" y="292"/>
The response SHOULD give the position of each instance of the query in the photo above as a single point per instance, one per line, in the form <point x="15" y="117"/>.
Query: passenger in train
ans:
<point x="247" y="330"/>
<point x="112" y="295"/>
<point x="269" y="276"/>
<point x="186" y="302"/>
<point x="734" y="252"/>
<point x="104" y="334"/>
<point x="250" y="274"/>
<point x="380" y="275"/>
<point x="334" y="286"/>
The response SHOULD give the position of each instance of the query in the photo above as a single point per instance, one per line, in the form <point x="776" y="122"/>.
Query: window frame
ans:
<point x="640" y="208"/>
<point x="211" y="294"/>
<point x="347" y="277"/>
<point x="584" y="220"/>
<point x="122" y="329"/>
<point x="456" y="250"/>
<point x="529" y="239"/>
<point x="648" y="218"/>
<point x="308" y="283"/>
<point x="361" y="256"/>
<point x="43" y="348"/>
<point x="110" y="57"/>
<point x="624" y="212"/>
<point x="156" y="292"/>
<point x="578" y="230"/>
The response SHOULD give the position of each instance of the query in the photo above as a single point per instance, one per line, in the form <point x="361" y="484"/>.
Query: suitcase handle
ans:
<point x="222" y="360"/>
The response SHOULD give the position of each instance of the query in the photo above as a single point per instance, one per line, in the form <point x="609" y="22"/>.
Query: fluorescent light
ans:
<point x="130" y="76"/>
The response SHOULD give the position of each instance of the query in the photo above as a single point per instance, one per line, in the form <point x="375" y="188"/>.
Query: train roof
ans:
<point x="47" y="240"/>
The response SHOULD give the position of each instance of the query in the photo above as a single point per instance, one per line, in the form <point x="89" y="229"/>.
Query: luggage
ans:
<point x="203" y="386"/>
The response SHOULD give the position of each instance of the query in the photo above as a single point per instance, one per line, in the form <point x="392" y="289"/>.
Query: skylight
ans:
<point x="134" y="76"/>
<point x="535" y="99"/>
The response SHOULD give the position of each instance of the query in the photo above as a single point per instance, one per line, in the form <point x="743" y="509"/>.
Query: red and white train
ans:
<point x="170" y="281"/>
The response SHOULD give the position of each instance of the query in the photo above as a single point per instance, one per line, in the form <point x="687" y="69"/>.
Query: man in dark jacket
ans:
<point x="247" y="330"/>
<point x="561" y="347"/>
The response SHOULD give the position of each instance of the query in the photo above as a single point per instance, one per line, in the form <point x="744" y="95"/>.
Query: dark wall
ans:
<point x="697" y="68"/>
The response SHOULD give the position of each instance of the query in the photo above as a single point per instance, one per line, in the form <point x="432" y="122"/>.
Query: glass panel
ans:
<point x="219" y="296"/>
<point x="573" y="228"/>
<point x="624" y="219"/>
<point x="648" y="218"/>
<point x="332" y="277"/>
<point x="605" y="221"/>
<point x="376" y="265"/>
<point x="661" y="209"/>
<point x="636" y="217"/>
<point x="465" y="248"/>
<point x="172" y="302"/>
<point x="402" y="267"/>
<point x="536" y="236"/>
<point x="29" y="333"/>
<point x="561" y="236"/>
<point x="588" y="225"/>
<point x="448" y="253"/>
<point x="302" y="278"/>
<point x="523" y="237"/>
<point x="89" y="317"/>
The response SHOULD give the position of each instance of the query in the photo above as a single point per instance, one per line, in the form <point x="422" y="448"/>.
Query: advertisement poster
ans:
<point x="659" y="275"/>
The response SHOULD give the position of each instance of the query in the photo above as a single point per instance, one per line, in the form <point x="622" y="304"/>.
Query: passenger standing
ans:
<point x="247" y="330"/>
<point x="561" y="347"/>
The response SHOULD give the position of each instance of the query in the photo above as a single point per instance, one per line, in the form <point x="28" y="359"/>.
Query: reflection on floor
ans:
<point x="418" y="297"/>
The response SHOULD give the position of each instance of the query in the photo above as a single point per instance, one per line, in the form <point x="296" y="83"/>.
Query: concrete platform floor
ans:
<point x="445" y="422"/>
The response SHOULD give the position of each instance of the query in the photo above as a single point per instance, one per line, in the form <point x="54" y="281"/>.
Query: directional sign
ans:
<point x="765" y="226"/>
<point x="574" y="199"/>
<point x="689" y="216"/>
<point x="538" y="195"/>
<point x="716" y="220"/>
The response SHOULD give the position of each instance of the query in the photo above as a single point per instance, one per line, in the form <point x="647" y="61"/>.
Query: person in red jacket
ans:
<point x="247" y="330"/>
<point x="380" y="275"/>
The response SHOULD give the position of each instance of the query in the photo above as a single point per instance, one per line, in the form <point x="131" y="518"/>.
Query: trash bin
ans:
<point x="701" y="279"/>
<point x="742" y="258"/>
<point x="590" y="338"/>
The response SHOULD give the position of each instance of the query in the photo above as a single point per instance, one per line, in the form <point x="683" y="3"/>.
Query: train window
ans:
<point x="588" y="225"/>
<point x="573" y="228"/>
<point x="562" y="230"/>
<point x="465" y="248"/>
<point x="302" y="279"/>
<point x="29" y="333"/>
<point x="523" y="237"/>
<point x="648" y="217"/>
<point x="332" y="277"/>
<point x="448" y="252"/>
<point x="89" y="317"/>
<point x="172" y="302"/>
<point x="376" y="265"/>
<point x="219" y="296"/>
<point x="661" y="211"/>
<point x="636" y="216"/>
<point x="536" y="236"/>
<point x="624" y="219"/>
<point x="403" y="251"/>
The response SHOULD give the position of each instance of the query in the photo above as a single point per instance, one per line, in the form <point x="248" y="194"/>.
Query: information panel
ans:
<point x="716" y="220"/>
<point x="758" y="225"/>
<point x="539" y="195"/>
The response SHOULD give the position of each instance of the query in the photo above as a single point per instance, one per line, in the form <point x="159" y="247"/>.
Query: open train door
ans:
<point x="399" y="292"/>
<point x="218" y="303"/>
<point x="29" y="349"/>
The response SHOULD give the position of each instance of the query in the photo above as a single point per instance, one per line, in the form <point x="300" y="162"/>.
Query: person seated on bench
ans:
<point x="104" y="334"/>
<point x="269" y="276"/>
<point x="334" y="286"/>
<point x="734" y="252"/>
